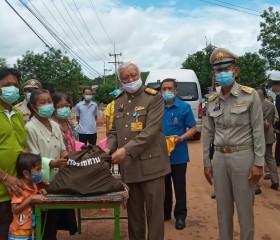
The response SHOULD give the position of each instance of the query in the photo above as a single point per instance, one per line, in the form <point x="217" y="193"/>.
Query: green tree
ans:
<point x="54" y="70"/>
<point x="102" y="93"/>
<point x="3" y="62"/>
<point x="252" y="70"/>
<point x="270" y="38"/>
<point x="199" y="63"/>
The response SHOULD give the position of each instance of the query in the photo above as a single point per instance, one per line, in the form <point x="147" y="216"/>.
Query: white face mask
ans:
<point x="132" y="87"/>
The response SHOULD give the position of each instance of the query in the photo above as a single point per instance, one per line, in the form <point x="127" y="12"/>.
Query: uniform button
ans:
<point x="150" y="156"/>
<point x="118" y="117"/>
<point x="125" y="138"/>
<point x="55" y="146"/>
<point x="126" y="125"/>
<point x="129" y="101"/>
<point x="127" y="113"/>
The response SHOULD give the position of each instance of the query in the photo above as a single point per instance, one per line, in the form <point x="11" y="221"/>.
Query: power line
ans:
<point x="82" y="35"/>
<point x="87" y="29"/>
<point x="252" y="10"/>
<point x="62" y="43"/>
<point x="32" y="29"/>
<point x="71" y="31"/>
<point x="93" y="8"/>
<point x="229" y="8"/>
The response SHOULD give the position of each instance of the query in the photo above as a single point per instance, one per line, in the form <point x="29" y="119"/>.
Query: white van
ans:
<point x="188" y="90"/>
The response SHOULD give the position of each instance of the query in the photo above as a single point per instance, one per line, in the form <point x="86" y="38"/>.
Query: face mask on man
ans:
<point x="46" y="111"/>
<point x="168" y="96"/>
<point x="9" y="94"/>
<point x="225" y="79"/>
<point x="132" y="87"/>
<point x="63" y="113"/>
<point x="88" y="97"/>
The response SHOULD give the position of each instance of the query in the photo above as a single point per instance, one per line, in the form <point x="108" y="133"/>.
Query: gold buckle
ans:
<point x="226" y="150"/>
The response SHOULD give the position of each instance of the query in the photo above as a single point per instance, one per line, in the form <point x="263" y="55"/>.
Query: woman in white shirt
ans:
<point x="44" y="137"/>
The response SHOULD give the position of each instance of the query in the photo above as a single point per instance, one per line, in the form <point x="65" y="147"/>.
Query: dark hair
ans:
<point x="33" y="99"/>
<point x="4" y="72"/>
<point x="26" y="161"/>
<point x="263" y="90"/>
<point x="58" y="96"/>
<point x="87" y="88"/>
<point x="173" y="80"/>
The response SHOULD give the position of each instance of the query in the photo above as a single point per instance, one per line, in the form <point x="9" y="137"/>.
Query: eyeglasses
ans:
<point x="132" y="76"/>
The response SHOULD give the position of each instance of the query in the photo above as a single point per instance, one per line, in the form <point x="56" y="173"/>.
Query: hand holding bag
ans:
<point x="87" y="172"/>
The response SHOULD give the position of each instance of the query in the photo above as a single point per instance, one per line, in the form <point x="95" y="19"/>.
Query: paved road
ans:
<point x="201" y="220"/>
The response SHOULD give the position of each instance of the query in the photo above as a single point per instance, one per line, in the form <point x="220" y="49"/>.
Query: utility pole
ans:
<point x="105" y="70"/>
<point x="115" y="62"/>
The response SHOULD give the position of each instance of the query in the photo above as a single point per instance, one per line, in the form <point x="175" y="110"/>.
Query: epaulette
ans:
<point x="212" y="97"/>
<point x="247" y="89"/>
<point x="151" y="91"/>
<point x="18" y="105"/>
<point x="121" y="93"/>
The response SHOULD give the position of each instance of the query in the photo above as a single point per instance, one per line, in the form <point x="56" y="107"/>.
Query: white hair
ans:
<point x="126" y="65"/>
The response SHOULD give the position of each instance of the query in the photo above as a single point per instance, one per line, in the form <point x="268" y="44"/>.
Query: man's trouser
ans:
<point x="231" y="180"/>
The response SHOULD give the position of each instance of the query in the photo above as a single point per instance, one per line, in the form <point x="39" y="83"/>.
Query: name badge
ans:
<point x="136" y="126"/>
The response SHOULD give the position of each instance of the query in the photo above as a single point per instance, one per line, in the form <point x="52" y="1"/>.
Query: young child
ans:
<point x="28" y="167"/>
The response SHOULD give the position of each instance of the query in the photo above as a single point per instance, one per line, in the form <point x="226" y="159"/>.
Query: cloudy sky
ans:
<point x="152" y="33"/>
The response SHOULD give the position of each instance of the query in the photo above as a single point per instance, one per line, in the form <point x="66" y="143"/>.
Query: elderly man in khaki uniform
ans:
<point x="234" y="123"/>
<point x="269" y="116"/>
<point x="28" y="87"/>
<point x="138" y="144"/>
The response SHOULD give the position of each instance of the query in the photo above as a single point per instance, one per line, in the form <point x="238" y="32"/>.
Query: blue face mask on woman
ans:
<point x="9" y="94"/>
<point x="168" y="96"/>
<point x="36" y="177"/>
<point x="46" y="111"/>
<point x="225" y="79"/>
<point x="64" y="112"/>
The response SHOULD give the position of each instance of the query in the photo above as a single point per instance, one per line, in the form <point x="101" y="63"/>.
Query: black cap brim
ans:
<point x="223" y="65"/>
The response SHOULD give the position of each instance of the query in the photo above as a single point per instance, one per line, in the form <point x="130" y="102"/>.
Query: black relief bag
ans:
<point x="87" y="172"/>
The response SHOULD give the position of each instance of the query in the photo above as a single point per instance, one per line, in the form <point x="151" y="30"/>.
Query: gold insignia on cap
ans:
<point x="33" y="83"/>
<point x="220" y="56"/>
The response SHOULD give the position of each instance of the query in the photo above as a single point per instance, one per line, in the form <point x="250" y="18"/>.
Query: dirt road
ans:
<point x="201" y="219"/>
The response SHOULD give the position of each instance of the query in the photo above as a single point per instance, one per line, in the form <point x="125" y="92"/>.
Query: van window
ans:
<point x="186" y="91"/>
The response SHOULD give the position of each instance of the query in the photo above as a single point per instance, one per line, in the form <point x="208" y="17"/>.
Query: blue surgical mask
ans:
<point x="36" y="177"/>
<point x="9" y="94"/>
<point x="63" y="113"/>
<point x="88" y="97"/>
<point x="168" y="96"/>
<point x="28" y="95"/>
<point x="46" y="111"/>
<point x="132" y="87"/>
<point x="225" y="79"/>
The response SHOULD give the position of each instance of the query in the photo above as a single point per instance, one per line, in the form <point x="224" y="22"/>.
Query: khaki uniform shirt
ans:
<point x="235" y="120"/>
<point x="269" y="115"/>
<point x="22" y="106"/>
<point x="137" y="127"/>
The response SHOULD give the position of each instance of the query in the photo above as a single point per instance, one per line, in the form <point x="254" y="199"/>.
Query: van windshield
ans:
<point x="186" y="91"/>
